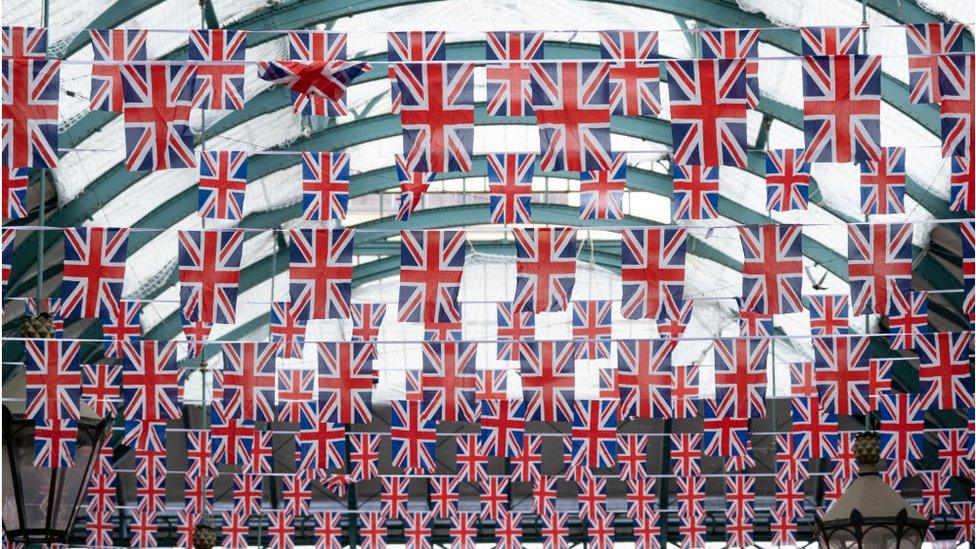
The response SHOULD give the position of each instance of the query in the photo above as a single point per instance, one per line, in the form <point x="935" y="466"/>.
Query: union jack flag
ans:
<point x="945" y="381"/>
<point x="431" y="264"/>
<point x="417" y="529"/>
<point x="924" y="42"/>
<point x="879" y="262"/>
<point x="787" y="180"/>
<point x="317" y="46"/>
<point x="437" y="115"/>
<point x="632" y="456"/>
<point x="644" y="376"/>
<point x="691" y="511"/>
<point x="684" y="391"/>
<point x="803" y="379"/>
<point x="956" y="452"/>
<point x="247" y="493"/>
<point x="591" y="329"/>
<point x="30" y="112"/>
<point x="572" y="106"/>
<point x="219" y="84"/>
<point x="9" y="235"/>
<point x="328" y="530"/>
<point x="674" y="317"/>
<point x="259" y="459"/>
<point x="727" y="437"/>
<point x="472" y="463"/>
<point x="209" y="263"/>
<point x="843" y="373"/>
<point x="740" y="502"/>
<point x="830" y="41"/>
<point x="52" y="377"/>
<point x="842" y="108"/>
<point x="509" y="84"/>
<point x="158" y="99"/>
<point x="516" y="330"/>
<point x="548" y="373"/>
<point x="296" y="396"/>
<point x="555" y="530"/>
<point x="449" y="381"/>
<point x="545" y="268"/>
<point x="829" y="314"/>
<point x="735" y="44"/>
<point x="94" y="268"/>
<point x="320" y="445"/>
<point x="186" y="523"/>
<point x="100" y="388"/>
<point x="281" y="528"/>
<point x="510" y="185"/>
<point x="366" y="321"/>
<point x="686" y="454"/>
<point x="789" y="461"/>
<point x="740" y="377"/>
<point x="120" y="325"/>
<point x="782" y="525"/>
<point x="345" y="382"/>
<point x="288" y="328"/>
<point x="527" y="465"/>
<point x="601" y="191"/>
<point x="652" y="269"/>
<point x="320" y="271"/>
<point x="198" y="494"/>
<point x="101" y="492"/>
<point x="772" y="270"/>
<point x="957" y="85"/>
<point x="594" y="433"/>
<point x="752" y="323"/>
<point x="444" y="496"/>
<point x="967" y="230"/>
<point x="641" y="497"/>
<point x="235" y="528"/>
<point x="492" y="385"/>
<point x="106" y="79"/>
<point x="908" y="318"/>
<point x="790" y="496"/>
<point x="372" y="531"/>
<point x="230" y="440"/>
<point x="936" y="490"/>
<point x="494" y="497"/>
<point x="708" y="111"/>
<point x="964" y="521"/>
<point x="199" y="461"/>
<point x="145" y="437"/>
<point x="150" y="377"/>
<point x="196" y="333"/>
<point x="814" y="429"/>
<point x="14" y="193"/>
<point x="962" y="185"/>
<point x="413" y="436"/>
<point x="223" y="180"/>
<point x="695" y="194"/>
<point x="325" y="185"/>
<point x="592" y="498"/>
<point x="902" y="427"/>
<point x="502" y="427"/>
<point x="544" y="495"/>
<point x="144" y="529"/>
<point x="24" y="42"/>
<point x="635" y="73"/>
<point x="99" y="527"/>
<point x="249" y="380"/>
<point x="394" y="494"/>
<point x="842" y="454"/>
<point x="464" y="530"/>
<point x="151" y="480"/>
<point x="883" y="182"/>
<point x="647" y="531"/>
<point x="411" y="46"/>
<point x="413" y="186"/>
<point x="328" y="79"/>
<point x="55" y="442"/>
<point x="297" y="493"/>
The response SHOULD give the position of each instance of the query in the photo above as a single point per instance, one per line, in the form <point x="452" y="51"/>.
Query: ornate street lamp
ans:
<point x="40" y="504"/>
<point x="871" y="514"/>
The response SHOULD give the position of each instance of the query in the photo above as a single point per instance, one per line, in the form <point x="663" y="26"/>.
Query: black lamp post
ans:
<point x="870" y="514"/>
<point x="40" y="504"/>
